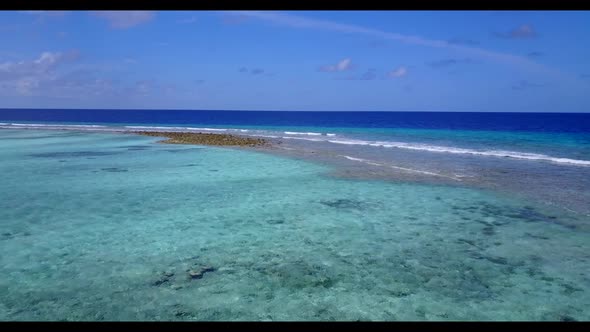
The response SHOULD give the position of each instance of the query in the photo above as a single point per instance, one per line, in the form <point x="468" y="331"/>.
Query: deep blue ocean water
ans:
<point x="535" y="122"/>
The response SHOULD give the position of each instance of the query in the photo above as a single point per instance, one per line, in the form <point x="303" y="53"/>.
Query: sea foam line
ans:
<point x="176" y="128"/>
<point x="385" y="144"/>
<point x="444" y="149"/>
<point x="50" y="125"/>
<point x="300" y="133"/>
<point x="369" y="162"/>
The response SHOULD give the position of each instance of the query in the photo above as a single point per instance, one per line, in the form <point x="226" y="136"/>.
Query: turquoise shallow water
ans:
<point x="104" y="227"/>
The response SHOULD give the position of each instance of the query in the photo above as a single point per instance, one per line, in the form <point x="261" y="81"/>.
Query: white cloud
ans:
<point x="143" y="88"/>
<point x="301" y="22"/>
<point x="398" y="72"/>
<point x="342" y="65"/>
<point x="524" y="31"/>
<point x="189" y="20"/>
<point x="25" y="76"/>
<point x="43" y="65"/>
<point x="125" y="19"/>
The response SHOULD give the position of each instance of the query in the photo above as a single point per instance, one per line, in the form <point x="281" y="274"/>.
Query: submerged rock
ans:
<point x="113" y="169"/>
<point x="489" y="231"/>
<point x="164" y="278"/>
<point x="276" y="221"/>
<point x="197" y="273"/>
<point x="207" y="269"/>
<point x="344" y="204"/>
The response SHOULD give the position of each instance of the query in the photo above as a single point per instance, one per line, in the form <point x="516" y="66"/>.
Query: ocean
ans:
<point x="351" y="216"/>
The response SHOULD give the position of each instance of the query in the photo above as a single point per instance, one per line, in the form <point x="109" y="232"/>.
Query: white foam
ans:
<point x="269" y="136"/>
<point x="29" y="125"/>
<point x="455" y="150"/>
<point x="86" y="126"/>
<point x="385" y="144"/>
<point x="153" y="127"/>
<point x="369" y="162"/>
<point x="176" y="128"/>
<point x="39" y="125"/>
<point x="300" y="133"/>
<point x="304" y="139"/>
<point x="362" y="160"/>
<point x="208" y="129"/>
<point x="350" y="142"/>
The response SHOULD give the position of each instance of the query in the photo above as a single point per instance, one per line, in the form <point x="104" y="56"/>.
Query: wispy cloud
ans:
<point x="450" y="62"/>
<point x="25" y="76"/>
<point x="233" y="18"/>
<point x="524" y="31"/>
<point x="59" y="75"/>
<point x="524" y="85"/>
<point x="301" y="22"/>
<point x="125" y="19"/>
<point x="377" y="44"/>
<point x="462" y="41"/>
<point x="369" y="75"/>
<point x="44" y="64"/>
<point x="143" y="87"/>
<point x="189" y="20"/>
<point x="534" y="54"/>
<point x="251" y="71"/>
<point x="398" y="72"/>
<point x="342" y="65"/>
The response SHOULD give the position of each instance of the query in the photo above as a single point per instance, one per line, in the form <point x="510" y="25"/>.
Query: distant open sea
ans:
<point x="534" y="122"/>
<point x="350" y="216"/>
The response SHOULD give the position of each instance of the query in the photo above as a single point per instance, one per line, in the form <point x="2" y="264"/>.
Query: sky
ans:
<point x="475" y="61"/>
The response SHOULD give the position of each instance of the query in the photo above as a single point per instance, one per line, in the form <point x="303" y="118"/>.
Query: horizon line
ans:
<point x="292" y="111"/>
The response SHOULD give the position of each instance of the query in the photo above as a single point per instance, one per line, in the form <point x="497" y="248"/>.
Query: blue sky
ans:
<point x="297" y="60"/>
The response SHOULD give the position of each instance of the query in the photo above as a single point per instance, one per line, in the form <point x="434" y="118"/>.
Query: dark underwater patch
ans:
<point x="136" y="147"/>
<point x="114" y="169"/>
<point x="28" y="137"/>
<point x="344" y="204"/>
<point x="299" y="275"/>
<point x="181" y="150"/>
<point x="74" y="154"/>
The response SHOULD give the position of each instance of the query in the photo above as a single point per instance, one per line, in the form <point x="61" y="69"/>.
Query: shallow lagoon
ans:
<point x="104" y="227"/>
